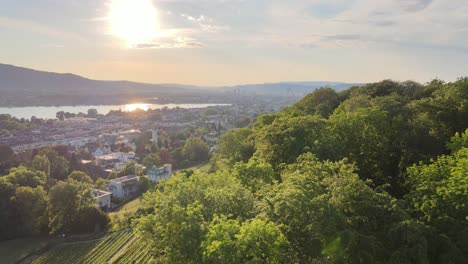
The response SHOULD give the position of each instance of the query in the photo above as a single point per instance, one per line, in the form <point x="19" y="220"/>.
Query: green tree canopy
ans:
<point x="237" y="145"/>
<point x="22" y="176"/>
<point x="151" y="159"/>
<point x="59" y="166"/>
<point x="72" y="208"/>
<point x="196" y="150"/>
<point x="321" y="102"/>
<point x="41" y="163"/>
<point x="30" y="204"/>
<point x="80" y="176"/>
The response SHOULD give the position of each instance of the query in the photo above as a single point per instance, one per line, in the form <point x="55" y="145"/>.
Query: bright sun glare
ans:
<point x="134" y="21"/>
<point x="133" y="107"/>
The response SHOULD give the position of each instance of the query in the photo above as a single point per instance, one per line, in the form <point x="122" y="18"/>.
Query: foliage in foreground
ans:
<point x="330" y="179"/>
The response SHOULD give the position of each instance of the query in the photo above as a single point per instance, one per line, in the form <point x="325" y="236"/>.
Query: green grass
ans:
<point x="221" y="164"/>
<point x="128" y="208"/>
<point x="12" y="251"/>
<point x="119" y="218"/>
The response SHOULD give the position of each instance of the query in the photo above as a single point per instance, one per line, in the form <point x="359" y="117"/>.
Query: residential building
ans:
<point x="115" y="160"/>
<point x="98" y="153"/>
<point x="103" y="199"/>
<point x="156" y="174"/>
<point x="125" y="187"/>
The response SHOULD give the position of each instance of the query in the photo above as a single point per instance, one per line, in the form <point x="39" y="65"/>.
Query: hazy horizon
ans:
<point x="231" y="42"/>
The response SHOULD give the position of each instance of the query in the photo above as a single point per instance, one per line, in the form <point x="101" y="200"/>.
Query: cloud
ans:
<point x="205" y="23"/>
<point x="414" y="5"/>
<point x="383" y="24"/>
<point x="170" y="43"/>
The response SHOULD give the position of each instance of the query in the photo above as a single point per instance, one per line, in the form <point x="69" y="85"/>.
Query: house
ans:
<point x="115" y="160"/>
<point x="98" y="153"/>
<point x="125" y="187"/>
<point x="103" y="199"/>
<point x="156" y="174"/>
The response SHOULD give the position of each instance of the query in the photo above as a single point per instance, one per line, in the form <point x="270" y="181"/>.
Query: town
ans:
<point x="121" y="151"/>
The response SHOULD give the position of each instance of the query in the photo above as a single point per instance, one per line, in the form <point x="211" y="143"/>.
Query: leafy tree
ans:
<point x="80" y="176"/>
<point x="101" y="183"/>
<point x="58" y="164"/>
<point x="7" y="226"/>
<point x="328" y="183"/>
<point x="67" y="201"/>
<point x="439" y="195"/>
<point x="60" y="115"/>
<point x="183" y="206"/>
<point x="242" y="122"/>
<point x="363" y="140"/>
<point x="196" y="150"/>
<point x="41" y="163"/>
<point x="237" y="145"/>
<point x="322" y="102"/>
<point x="254" y="175"/>
<point x="288" y="138"/>
<point x="165" y="156"/>
<point x="6" y="153"/>
<point x="220" y="244"/>
<point x="346" y="220"/>
<point x="30" y="205"/>
<point x="144" y="184"/>
<point x="261" y="241"/>
<point x="264" y="120"/>
<point x="178" y="240"/>
<point x="92" y="113"/>
<point x="22" y="176"/>
<point x="256" y="241"/>
<point x="152" y="159"/>
<point x="458" y="141"/>
<point x="84" y="154"/>
<point x="131" y="168"/>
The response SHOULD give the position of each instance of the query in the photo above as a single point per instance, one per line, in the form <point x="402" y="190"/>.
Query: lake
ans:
<point x="49" y="112"/>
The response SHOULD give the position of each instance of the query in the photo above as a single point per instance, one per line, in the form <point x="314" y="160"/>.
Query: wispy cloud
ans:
<point x="205" y="23"/>
<point x="170" y="43"/>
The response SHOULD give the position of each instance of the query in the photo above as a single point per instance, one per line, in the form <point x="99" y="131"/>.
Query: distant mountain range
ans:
<point x="288" y="88"/>
<point x="26" y="87"/>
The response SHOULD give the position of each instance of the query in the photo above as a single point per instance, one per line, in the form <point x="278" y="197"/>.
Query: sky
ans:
<point x="229" y="42"/>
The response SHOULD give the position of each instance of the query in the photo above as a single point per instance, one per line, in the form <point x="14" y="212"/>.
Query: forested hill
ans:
<point x="372" y="174"/>
<point x="26" y="87"/>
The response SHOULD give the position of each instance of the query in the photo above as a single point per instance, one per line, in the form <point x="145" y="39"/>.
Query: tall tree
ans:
<point x="67" y="201"/>
<point x="41" y="163"/>
<point x="195" y="150"/>
<point x="59" y="166"/>
<point x="80" y="176"/>
<point x="30" y="205"/>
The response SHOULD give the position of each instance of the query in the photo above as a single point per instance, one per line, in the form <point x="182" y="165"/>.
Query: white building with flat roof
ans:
<point x="125" y="187"/>
<point x="103" y="199"/>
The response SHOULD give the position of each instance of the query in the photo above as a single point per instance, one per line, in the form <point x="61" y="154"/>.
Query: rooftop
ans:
<point x="125" y="178"/>
<point x="100" y="193"/>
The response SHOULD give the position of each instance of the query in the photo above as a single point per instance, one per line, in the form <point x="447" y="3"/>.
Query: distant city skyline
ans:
<point x="231" y="42"/>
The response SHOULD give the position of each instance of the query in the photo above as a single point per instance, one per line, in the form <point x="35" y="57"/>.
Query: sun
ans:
<point x="134" y="21"/>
